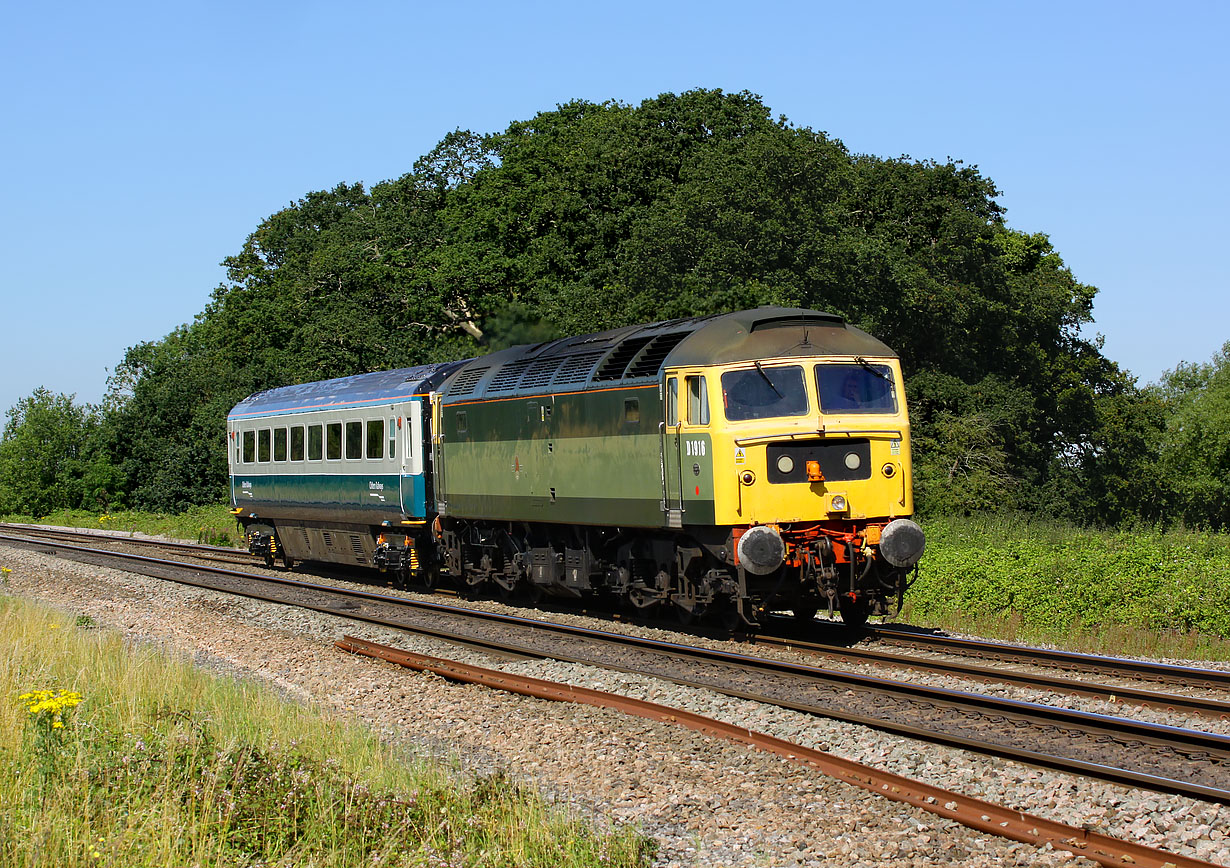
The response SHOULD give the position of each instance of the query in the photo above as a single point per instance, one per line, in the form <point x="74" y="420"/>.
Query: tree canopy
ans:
<point x="596" y="215"/>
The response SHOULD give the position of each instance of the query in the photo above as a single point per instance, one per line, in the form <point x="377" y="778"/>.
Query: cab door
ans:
<point x="669" y="442"/>
<point x="686" y="451"/>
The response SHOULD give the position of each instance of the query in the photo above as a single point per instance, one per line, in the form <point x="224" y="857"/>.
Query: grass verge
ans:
<point x="213" y="525"/>
<point x="1143" y="591"/>
<point x="163" y="764"/>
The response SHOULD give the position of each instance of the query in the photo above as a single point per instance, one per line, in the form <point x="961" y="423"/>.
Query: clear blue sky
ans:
<point x="144" y="141"/>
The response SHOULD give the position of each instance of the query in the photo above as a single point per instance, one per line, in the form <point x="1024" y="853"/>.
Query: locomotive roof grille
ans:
<point x="540" y="372"/>
<point x="651" y="358"/>
<point x="505" y="379"/>
<point x="575" y="369"/>
<point x="466" y="381"/>
<point x="617" y="361"/>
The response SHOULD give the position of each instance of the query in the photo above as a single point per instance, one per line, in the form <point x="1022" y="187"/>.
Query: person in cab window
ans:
<point x="850" y="397"/>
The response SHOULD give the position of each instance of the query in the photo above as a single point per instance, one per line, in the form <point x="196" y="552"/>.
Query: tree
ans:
<point x="1195" y="449"/>
<point x="51" y="457"/>
<point x="597" y="215"/>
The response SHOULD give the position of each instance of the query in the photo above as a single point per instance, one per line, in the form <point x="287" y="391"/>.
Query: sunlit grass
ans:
<point x="163" y="764"/>
<point x="1140" y="591"/>
<point x="208" y="524"/>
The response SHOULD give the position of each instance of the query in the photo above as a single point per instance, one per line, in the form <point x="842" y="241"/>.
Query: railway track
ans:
<point x="974" y="813"/>
<point x="222" y="554"/>
<point x="1188" y="762"/>
<point x="1070" y="663"/>
<point x="1067" y="661"/>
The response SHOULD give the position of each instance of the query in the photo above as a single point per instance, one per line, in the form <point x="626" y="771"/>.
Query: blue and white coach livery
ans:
<point x="337" y="470"/>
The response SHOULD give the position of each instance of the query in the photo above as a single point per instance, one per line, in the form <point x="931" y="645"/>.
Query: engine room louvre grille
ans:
<point x="650" y="359"/>
<point x="540" y="372"/>
<point x="466" y="381"/>
<point x="575" y="369"/>
<point x="505" y="379"/>
<point x="356" y="545"/>
<point x="613" y="367"/>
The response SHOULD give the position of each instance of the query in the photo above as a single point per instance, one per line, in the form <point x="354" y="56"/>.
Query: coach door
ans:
<point x="410" y="451"/>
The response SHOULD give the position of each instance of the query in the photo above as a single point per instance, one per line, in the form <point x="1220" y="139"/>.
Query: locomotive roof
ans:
<point x="356" y="391"/>
<point x="635" y="355"/>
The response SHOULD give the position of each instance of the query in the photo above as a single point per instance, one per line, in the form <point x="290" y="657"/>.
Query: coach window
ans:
<point x="375" y="438"/>
<point x="249" y="447"/>
<point x="392" y="437"/>
<point x="672" y="401"/>
<point x="333" y="441"/>
<point x="262" y="445"/>
<point x="316" y="440"/>
<point x="354" y="440"/>
<point x="279" y="444"/>
<point x="698" y="401"/>
<point x="296" y="443"/>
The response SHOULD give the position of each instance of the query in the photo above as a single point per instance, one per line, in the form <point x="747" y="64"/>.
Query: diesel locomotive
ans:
<point x="734" y="464"/>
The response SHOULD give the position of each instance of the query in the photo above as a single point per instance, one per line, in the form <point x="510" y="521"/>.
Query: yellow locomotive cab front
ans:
<point x="805" y="440"/>
<point x="810" y="463"/>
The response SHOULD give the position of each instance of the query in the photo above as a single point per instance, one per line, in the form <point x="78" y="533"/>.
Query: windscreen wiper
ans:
<point x="866" y="364"/>
<point x="761" y="370"/>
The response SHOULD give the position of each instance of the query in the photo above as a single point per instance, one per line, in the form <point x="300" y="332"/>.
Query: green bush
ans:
<point x="1048" y="577"/>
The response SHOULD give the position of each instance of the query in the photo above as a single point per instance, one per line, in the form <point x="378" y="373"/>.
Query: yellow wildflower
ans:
<point x="52" y="703"/>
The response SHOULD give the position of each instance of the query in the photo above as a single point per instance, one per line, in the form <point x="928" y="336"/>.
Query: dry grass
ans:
<point x="163" y="764"/>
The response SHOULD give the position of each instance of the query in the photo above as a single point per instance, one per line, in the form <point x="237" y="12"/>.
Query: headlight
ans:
<point x="838" y="503"/>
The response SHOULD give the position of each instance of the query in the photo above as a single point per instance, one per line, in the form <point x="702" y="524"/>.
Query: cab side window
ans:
<point x="698" y="401"/>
